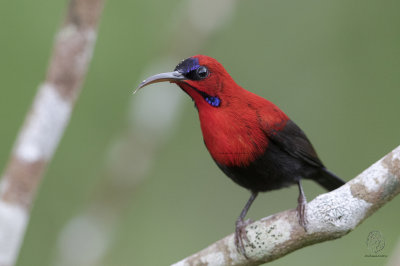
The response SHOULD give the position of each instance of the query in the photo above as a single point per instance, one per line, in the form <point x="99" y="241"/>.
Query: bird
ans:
<point x="250" y="139"/>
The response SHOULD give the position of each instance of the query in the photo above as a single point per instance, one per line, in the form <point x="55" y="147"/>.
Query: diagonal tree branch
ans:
<point x="45" y="122"/>
<point x="330" y="215"/>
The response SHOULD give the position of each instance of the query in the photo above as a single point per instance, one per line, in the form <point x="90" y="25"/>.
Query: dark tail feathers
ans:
<point x="328" y="180"/>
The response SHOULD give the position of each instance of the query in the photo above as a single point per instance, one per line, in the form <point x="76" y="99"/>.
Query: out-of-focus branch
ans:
<point x="108" y="205"/>
<point x="45" y="122"/>
<point x="331" y="215"/>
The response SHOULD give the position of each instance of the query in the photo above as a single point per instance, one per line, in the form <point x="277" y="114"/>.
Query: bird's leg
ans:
<point x="240" y="232"/>
<point x="301" y="206"/>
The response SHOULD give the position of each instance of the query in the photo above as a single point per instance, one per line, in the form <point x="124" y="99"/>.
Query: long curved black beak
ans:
<point x="168" y="76"/>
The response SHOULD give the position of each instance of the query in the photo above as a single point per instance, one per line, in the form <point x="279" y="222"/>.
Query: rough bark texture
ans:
<point x="331" y="215"/>
<point x="45" y="123"/>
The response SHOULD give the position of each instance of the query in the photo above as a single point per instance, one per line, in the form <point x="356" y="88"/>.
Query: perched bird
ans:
<point x="251" y="140"/>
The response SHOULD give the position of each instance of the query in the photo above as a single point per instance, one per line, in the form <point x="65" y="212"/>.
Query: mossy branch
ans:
<point x="330" y="216"/>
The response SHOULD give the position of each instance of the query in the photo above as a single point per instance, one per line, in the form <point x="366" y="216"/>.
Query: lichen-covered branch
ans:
<point x="330" y="215"/>
<point x="45" y="122"/>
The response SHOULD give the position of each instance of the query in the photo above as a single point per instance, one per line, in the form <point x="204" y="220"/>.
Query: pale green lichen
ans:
<point x="265" y="237"/>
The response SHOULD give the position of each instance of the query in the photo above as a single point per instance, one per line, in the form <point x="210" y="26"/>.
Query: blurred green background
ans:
<point x="133" y="186"/>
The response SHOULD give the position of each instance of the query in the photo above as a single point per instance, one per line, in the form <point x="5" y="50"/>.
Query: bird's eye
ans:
<point x="202" y="72"/>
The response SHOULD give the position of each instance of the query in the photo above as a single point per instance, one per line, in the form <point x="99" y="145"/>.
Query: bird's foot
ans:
<point x="241" y="235"/>
<point x="301" y="212"/>
<point x="301" y="207"/>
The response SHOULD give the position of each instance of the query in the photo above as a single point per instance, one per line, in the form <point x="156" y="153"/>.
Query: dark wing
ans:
<point x="293" y="140"/>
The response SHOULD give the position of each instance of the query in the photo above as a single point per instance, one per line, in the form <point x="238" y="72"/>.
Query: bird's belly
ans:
<point x="274" y="169"/>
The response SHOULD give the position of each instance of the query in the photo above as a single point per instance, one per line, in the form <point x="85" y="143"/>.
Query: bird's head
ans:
<point x="202" y="77"/>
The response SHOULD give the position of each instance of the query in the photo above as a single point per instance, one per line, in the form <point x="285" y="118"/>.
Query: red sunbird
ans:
<point x="250" y="139"/>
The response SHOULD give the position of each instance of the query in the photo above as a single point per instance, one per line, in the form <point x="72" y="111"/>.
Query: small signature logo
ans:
<point x="375" y="244"/>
